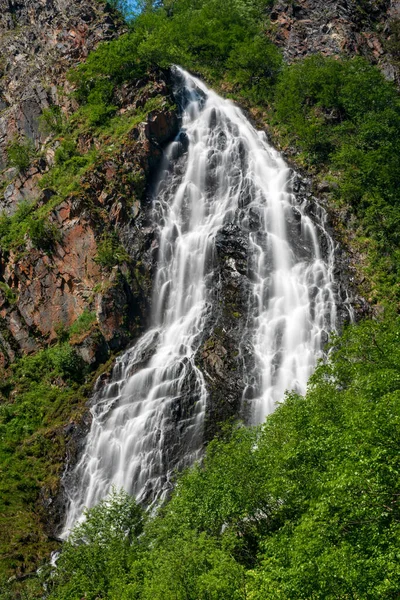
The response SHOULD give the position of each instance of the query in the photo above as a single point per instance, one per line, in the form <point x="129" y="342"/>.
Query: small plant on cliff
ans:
<point x="110" y="252"/>
<point x="65" y="151"/>
<point x="13" y="229"/>
<point x="44" y="235"/>
<point x="52" y="120"/>
<point x="11" y="297"/>
<point x="83" y="323"/>
<point x="20" y="154"/>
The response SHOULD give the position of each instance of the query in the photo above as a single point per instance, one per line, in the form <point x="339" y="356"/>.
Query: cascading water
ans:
<point x="148" y="420"/>
<point x="292" y="304"/>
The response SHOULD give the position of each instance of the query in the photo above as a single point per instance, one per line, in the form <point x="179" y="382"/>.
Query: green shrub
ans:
<point x="20" y="154"/>
<point x="83" y="323"/>
<point x="67" y="363"/>
<point x="65" y="151"/>
<point x="44" y="235"/>
<point x="109" y="252"/>
<point x="8" y="292"/>
<point x="99" y="553"/>
<point x="52" y="120"/>
<point x="40" y="394"/>
<point x="254" y="67"/>
<point x="13" y="229"/>
<point x="65" y="177"/>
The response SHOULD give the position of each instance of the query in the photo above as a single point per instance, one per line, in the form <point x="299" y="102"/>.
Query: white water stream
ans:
<point x="148" y="420"/>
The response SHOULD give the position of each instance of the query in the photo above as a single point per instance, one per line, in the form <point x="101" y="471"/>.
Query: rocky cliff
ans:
<point x="337" y="27"/>
<point x="40" y="42"/>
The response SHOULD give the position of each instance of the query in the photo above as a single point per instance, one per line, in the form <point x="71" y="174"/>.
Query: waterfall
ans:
<point x="148" y="420"/>
<point x="292" y="304"/>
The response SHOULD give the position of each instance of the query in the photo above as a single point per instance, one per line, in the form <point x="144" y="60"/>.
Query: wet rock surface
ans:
<point x="220" y="356"/>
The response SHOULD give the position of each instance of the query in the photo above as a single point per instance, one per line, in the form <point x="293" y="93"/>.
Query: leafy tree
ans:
<point x="97" y="557"/>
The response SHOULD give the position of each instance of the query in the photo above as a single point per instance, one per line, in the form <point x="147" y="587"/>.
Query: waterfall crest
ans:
<point x="148" y="420"/>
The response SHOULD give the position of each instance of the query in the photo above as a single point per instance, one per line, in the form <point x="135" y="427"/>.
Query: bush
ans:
<point x="44" y="235"/>
<point x="52" y="120"/>
<point x="254" y="67"/>
<point x="109" y="252"/>
<point x="20" y="154"/>
<point x="99" y="553"/>
<point x="83" y="323"/>
<point x="65" y="151"/>
<point x="11" y="297"/>
<point x="67" y="363"/>
<point x="13" y="229"/>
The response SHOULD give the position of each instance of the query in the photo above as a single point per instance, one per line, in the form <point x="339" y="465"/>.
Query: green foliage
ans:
<point x="96" y="559"/>
<point x="60" y="360"/>
<point x="111" y="64"/>
<point x="306" y="506"/>
<point x="345" y="117"/>
<point x="20" y="154"/>
<point x="13" y="229"/>
<point x="44" y="235"/>
<point x="27" y="221"/>
<point x="65" y="151"/>
<point x="254" y="66"/>
<point x="214" y="37"/>
<point x="8" y="292"/>
<point x="38" y="395"/>
<point x="65" y="177"/>
<point x="109" y="252"/>
<point x="52" y="120"/>
<point x="83" y="323"/>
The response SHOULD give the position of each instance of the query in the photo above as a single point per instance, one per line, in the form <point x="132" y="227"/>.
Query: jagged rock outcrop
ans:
<point x="42" y="290"/>
<point x="221" y="356"/>
<point x="53" y="289"/>
<point x="335" y="27"/>
<point x="39" y="41"/>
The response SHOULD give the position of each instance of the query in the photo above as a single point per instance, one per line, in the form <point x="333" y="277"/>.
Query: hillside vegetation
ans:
<point x="306" y="506"/>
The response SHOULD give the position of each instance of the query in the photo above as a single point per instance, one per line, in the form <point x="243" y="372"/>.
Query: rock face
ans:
<point x="334" y="27"/>
<point x="219" y="356"/>
<point x="53" y="289"/>
<point x="39" y="41"/>
<point x="42" y="291"/>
